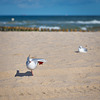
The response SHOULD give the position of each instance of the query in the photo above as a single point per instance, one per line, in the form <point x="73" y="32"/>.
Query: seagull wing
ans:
<point x="39" y="60"/>
<point x="85" y="49"/>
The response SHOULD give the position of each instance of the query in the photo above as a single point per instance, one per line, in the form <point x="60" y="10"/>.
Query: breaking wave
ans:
<point x="84" y="22"/>
<point x="48" y="27"/>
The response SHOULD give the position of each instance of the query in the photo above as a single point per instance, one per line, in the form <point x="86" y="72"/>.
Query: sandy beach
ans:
<point x="67" y="75"/>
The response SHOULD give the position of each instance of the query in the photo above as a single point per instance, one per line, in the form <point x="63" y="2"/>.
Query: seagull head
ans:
<point x="29" y="59"/>
<point x="80" y="47"/>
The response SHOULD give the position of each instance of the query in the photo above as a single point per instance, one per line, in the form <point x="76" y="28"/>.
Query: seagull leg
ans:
<point x="32" y="72"/>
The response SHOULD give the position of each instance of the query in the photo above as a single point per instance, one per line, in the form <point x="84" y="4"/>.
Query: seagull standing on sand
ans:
<point x="81" y="49"/>
<point x="32" y="63"/>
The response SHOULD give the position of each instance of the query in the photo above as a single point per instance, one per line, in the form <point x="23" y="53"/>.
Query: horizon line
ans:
<point x="45" y="15"/>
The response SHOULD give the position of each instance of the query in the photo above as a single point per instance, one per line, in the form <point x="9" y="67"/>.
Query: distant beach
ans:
<point x="67" y="74"/>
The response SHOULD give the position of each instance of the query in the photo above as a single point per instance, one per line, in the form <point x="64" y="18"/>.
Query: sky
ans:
<point x="49" y="7"/>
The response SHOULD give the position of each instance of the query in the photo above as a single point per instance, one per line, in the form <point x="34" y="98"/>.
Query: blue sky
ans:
<point x="49" y="7"/>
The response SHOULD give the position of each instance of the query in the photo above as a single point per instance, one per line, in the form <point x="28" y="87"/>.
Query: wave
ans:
<point x="50" y="22"/>
<point x="83" y="28"/>
<point x="48" y="27"/>
<point x="3" y="23"/>
<point x="69" y="22"/>
<point x="84" y="22"/>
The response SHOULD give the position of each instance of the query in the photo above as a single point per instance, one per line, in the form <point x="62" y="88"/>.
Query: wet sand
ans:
<point x="67" y="75"/>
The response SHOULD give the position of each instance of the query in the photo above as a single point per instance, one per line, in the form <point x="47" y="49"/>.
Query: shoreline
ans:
<point x="5" y="28"/>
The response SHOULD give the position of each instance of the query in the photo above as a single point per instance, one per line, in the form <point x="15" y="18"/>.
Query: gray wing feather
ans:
<point x="39" y="59"/>
<point x="85" y="49"/>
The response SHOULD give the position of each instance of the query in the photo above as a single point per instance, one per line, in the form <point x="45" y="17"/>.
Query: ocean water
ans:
<point x="53" y="22"/>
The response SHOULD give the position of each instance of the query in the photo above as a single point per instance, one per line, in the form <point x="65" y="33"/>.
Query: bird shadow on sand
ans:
<point x="18" y="74"/>
<point x="76" y="51"/>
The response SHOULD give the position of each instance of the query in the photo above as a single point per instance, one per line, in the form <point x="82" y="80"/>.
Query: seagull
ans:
<point x="32" y="63"/>
<point x="81" y="49"/>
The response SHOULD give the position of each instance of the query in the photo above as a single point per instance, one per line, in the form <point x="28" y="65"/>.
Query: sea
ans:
<point x="52" y="22"/>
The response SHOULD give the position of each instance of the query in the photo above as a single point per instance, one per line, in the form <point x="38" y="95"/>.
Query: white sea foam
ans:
<point x="48" y="27"/>
<point x="70" y="22"/>
<point x="84" y="28"/>
<point x="3" y="23"/>
<point x="84" y="22"/>
<point x="89" y="22"/>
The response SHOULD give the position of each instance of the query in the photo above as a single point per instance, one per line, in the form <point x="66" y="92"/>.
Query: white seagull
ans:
<point x="81" y="49"/>
<point x="32" y="63"/>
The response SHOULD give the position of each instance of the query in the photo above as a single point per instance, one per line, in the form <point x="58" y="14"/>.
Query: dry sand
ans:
<point x="67" y="75"/>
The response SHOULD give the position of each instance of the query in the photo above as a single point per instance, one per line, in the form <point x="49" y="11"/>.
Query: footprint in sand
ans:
<point x="21" y="94"/>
